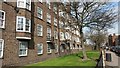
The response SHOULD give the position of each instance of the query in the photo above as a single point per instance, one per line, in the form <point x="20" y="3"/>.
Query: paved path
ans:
<point x="115" y="60"/>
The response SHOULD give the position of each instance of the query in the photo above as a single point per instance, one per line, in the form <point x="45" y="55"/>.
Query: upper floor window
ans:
<point x="62" y="36"/>
<point x="39" y="12"/>
<point x="40" y="48"/>
<point x="1" y="47"/>
<point x="55" y="34"/>
<point x="23" y="24"/>
<point x="48" y="4"/>
<point x="55" y="8"/>
<point x="48" y="18"/>
<point x="49" y="50"/>
<point x="61" y="24"/>
<point x="24" y="4"/>
<point x="48" y="33"/>
<point x="55" y="21"/>
<point x="39" y="30"/>
<point x="40" y="1"/>
<point x="2" y="19"/>
<point x="23" y="48"/>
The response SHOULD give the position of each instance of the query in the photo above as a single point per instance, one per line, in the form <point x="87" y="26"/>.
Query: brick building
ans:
<point x="35" y="31"/>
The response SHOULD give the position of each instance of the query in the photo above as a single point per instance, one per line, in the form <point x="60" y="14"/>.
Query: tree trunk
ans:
<point x="82" y="43"/>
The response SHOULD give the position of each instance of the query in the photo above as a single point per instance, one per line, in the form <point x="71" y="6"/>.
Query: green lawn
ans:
<point x="70" y="60"/>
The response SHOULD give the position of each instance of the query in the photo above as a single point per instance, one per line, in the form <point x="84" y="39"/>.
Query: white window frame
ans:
<point x="28" y="25"/>
<point x="40" y="1"/>
<point x="49" y="31"/>
<point x="55" y="34"/>
<point x="39" y="31"/>
<point x="40" y="45"/>
<point x="56" y="48"/>
<point x="24" y="4"/>
<point x="26" y="52"/>
<point x="2" y="47"/>
<point x="48" y="18"/>
<point x="24" y="24"/>
<point x="39" y="14"/>
<point x="48" y="48"/>
<point x="55" y="21"/>
<point x="48" y="4"/>
<point x="62" y="36"/>
<point x="3" y="26"/>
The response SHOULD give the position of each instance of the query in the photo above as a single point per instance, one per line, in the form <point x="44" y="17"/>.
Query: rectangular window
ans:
<point x="1" y="47"/>
<point x="23" y="24"/>
<point x="49" y="50"/>
<point x="62" y="36"/>
<point x="2" y="19"/>
<point x="20" y="23"/>
<point x="39" y="12"/>
<point x="56" y="48"/>
<point x="40" y="48"/>
<point x="24" y="4"/>
<point x="40" y="1"/>
<point x="39" y="30"/>
<point x="48" y="33"/>
<point x="48" y="4"/>
<point x="55" y="21"/>
<point x="55" y="8"/>
<point x="23" y="48"/>
<point x="28" y="25"/>
<point x="55" y="34"/>
<point x="48" y="18"/>
<point x="28" y="4"/>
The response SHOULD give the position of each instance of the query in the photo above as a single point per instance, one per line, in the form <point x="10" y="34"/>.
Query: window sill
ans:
<point x="22" y="55"/>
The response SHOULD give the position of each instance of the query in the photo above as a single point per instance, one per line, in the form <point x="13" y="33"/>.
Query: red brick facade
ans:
<point x="12" y="37"/>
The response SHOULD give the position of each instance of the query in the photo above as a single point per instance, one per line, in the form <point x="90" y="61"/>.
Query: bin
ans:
<point x="108" y="57"/>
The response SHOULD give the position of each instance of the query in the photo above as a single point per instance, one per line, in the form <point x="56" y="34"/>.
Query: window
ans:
<point x="28" y="4"/>
<point x="40" y="1"/>
<point x="61" y="24"/>
<point x="56" y="48"/>
<point x="49" y="49"/>
<point x="24" y="4"/>
<point x="40" y="48"/>
<point x="23" y="24"/>
<point x="49" y="33"/>
<point x="48" y="4"/>
<point x="62" y="36"/>
<point x="48" y="18"/>
<point x="2" y="19"/>
<point x="23" y="48"/>
<point x="1" y="47"/>
<point x="55" y="21"/>
<point x="55" y="34"/>
<point x="28" y="25"/>
<point x="55" y="8"/>
<point x="39" y="12"/>
<point x="39" y="30"/>
<point x="66" y="35"/>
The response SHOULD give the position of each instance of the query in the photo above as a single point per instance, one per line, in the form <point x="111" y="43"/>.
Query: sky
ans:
<point x="115" y="25"/>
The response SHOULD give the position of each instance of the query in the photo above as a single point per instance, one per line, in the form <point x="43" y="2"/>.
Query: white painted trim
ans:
<point x="23" y="37"/>
<point x="2" y="47"/>
<point x="3" y="19"/>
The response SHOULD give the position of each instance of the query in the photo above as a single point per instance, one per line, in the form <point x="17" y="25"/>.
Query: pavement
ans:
<point x="114" y="63"/>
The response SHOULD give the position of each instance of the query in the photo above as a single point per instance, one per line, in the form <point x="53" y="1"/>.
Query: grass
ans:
<point x="70" y="60"/>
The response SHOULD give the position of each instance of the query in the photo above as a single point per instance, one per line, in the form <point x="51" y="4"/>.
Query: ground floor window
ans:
<point x="49" y="50"/>
<point x="23" y="48"/>
<point x="40" y="48"/>
<point x="56" y="48"/>
<point x="1" y="47"/>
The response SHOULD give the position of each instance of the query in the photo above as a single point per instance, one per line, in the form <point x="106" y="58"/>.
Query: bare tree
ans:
<point x="92" y="15"/>
<point x="97" y="38"/>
